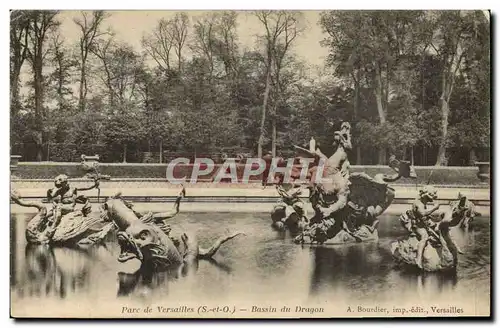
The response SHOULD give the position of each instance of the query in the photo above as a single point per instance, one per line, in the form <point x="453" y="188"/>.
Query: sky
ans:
<point x="131" y="25"/>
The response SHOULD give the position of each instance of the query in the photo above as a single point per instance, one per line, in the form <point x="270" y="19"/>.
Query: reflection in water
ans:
<point x="142" y="282"/>
<point x="146" y="281"/>
<point x="41" y="271"/>
<point x="367" y="271"/>
<point x="13" y="255"/>
<point x="53" y="271"/>
<point x="127" y="283"/>
<point x="262" y="265"/>
<point x="360" y="267"/>
<point x="428" y="282"/>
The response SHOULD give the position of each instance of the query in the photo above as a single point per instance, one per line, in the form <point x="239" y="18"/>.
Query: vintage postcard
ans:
<point x="250" y="164"/>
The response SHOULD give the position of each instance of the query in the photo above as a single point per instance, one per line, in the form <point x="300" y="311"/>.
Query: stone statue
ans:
<point x="64" y="197"/>
<point x="338" y="162"/>
<point x="63" y="222"/>
<point x="289" y="213"/>
<point x="346" y="206"/>
<point x="148" y="239"/>
<point x="467" y="208"/>
<point x="429" y="245"/>
<point x="77" y="227"/>
<point x="90" y="165"/>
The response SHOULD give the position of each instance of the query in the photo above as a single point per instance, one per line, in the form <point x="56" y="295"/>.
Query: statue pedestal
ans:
<point x="484" y="172"/>
<point x="14" y="161"/>
<point x="363" y="234"/>
<point x="404" y="251"/>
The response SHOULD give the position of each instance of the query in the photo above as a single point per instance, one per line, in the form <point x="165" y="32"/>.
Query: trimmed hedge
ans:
<point x="438" y="175"/>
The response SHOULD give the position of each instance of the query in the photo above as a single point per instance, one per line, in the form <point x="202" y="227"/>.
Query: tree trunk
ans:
<point x="358" y="155"/>
<point x="447" y="86"/>
<point x="14" y="91"/>
<point x="445" y="110"/>
<point x="20" y="55"/>
<point x="472" y="157"/>
<point x="264" y="109"/>
<point x="111" y="98"/>
<point x="379" y="95"/>
<point x="179" y="56"/>
<point x="273" y="146"/>
<point x="39" y="113"/>
<point x="161" y="151"/>
<point x="82" y="93"/>
<point x="60" y="83"/>
<point x="380" y="109"/>
<point x="37" y="136"/>
<point x="412" y="156"/>
<point x="448" y="79"/>
<point x="382" y="155"/>
<point x="356" y="109"/>
<point x="125" y="153"/>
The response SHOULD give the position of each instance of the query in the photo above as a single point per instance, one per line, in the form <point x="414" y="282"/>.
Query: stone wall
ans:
<point x="156" y="173"/>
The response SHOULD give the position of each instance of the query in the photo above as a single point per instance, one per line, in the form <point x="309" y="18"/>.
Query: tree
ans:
<point x="121" y="70"/>
<point x="122" y="129"/>
<point x="42" y="23"/>
<point x="19" y="29"/>
<point x="90" y="28"/>
<point x="102" y="50"/>
<point x="387" y="73"/>
<point x="455" y="36"/>
<point x="158" y="44"/>
<point x="179" y="26"/>
<point x="125" y="66"/>
<point x="225" y="42"/>
<point x="281" y="28"/>
<point x="215" y="41"/>
<point x="380" y="51"/>
<point x="202" y="44"/>
<point x="470" y="133"/>
<point x="61" y="76"/>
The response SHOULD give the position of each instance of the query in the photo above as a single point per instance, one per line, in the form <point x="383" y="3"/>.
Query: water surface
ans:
<point x="262" y="265"/>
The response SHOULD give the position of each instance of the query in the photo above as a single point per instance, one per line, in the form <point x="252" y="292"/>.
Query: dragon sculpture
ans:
<point x="148" y="239"/>
<point x="346" y="205"/>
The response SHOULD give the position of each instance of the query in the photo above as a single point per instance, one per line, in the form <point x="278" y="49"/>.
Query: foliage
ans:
<point x="194" y="87"/>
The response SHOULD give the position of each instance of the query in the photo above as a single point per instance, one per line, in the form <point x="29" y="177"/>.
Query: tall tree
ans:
<point x="61" y="76"/>
<point x="90" y="25"/>
<point x="42" y="23"/>
<point x="158" y="44"/>
<point x="225" y="42"/>
<point x="179" y="26"/>
<point x="19" y="29"/>
<point x="121" y="71"/>
<point x="455" y="37"/>
<point x="214" y="41"/>
<point x="102" y="50"/>
<point x="369" y="48"/>
<point x="202" y="44"/>
<point x="281" y="29"/>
